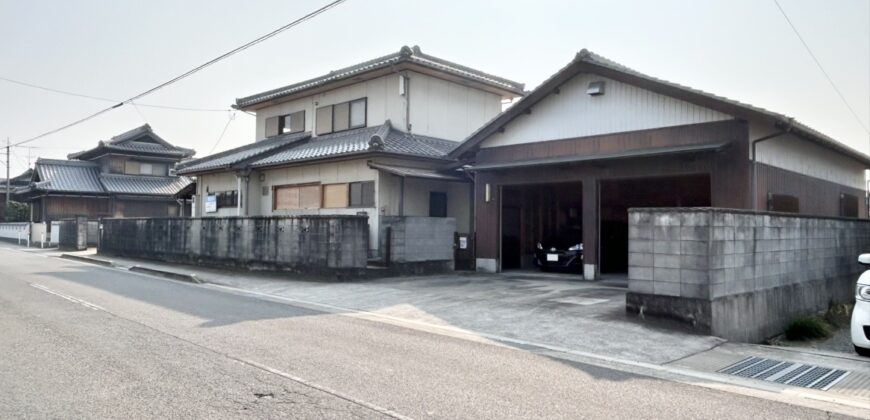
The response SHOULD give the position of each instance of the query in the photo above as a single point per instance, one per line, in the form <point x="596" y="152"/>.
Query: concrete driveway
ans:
<point x="556" y="310"/>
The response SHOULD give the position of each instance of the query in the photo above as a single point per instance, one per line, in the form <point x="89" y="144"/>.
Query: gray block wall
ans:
<point x="311" y="244"/>
<point x="737" y="274"/>
<point x="416" y="239"/>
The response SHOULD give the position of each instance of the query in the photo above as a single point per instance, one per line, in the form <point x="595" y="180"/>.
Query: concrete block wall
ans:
<point x="312" y="244"/>
<point x="739" y="274"/>
<point x="418" y="239"/>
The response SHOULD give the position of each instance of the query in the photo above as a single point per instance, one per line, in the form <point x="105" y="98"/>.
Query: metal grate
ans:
<point x="787" y="373"/>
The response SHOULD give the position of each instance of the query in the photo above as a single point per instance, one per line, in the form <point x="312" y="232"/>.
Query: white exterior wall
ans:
<point x="212" y="183"/>
<point x="795" y="154"/>
<point x="448" y="110"/>
<point x="622" y="107"/>
<point x="417" y="198"/>
<point x="438" y="108"/>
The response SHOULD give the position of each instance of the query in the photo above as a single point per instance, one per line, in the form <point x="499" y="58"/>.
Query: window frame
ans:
<point x="365" y="103"/>
<point x="282" y="118"/>
<point x="843" y="203"/>
<point x="362" y="204"/>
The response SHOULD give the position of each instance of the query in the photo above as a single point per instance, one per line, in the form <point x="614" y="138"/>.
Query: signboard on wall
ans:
<point x="211" y="203"/>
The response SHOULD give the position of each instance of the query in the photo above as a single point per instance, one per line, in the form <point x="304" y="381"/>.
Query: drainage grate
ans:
<point x="778" y="371"/>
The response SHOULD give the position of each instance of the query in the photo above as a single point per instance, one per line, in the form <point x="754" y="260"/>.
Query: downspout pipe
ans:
<point x="755" y="163"/>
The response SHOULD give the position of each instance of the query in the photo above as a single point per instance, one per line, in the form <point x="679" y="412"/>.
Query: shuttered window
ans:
<point x="341" y="116"/>
<point x="324" y="120"/>
<point x="295" y="197"/>
<point x="272" y="126"/>
<point x="362" y="194"/>
<point x="131" y="168"/>
<point x="335" y="196"/>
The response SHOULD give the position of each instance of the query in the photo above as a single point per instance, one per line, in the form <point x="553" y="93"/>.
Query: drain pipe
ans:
<point x="755" y="164"/>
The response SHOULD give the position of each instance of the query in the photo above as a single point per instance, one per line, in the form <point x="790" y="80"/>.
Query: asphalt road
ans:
<point x="80" y="341"/>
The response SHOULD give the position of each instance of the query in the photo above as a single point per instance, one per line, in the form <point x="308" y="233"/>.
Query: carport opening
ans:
<point x="617" y="196"/>
<point x="535" y="213"/>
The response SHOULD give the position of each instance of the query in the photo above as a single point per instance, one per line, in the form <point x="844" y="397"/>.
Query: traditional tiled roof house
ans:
<point x="130" y="175"/>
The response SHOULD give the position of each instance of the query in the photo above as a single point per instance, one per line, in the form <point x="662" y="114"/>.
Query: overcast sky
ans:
<point x="741" y="49"/>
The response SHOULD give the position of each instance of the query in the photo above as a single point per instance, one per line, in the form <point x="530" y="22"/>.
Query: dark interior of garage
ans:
<point x="617" y="196"/>
<point x="533" y="213"/>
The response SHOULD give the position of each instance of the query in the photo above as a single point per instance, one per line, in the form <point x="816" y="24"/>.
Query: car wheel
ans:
<point x="862" y="351"/>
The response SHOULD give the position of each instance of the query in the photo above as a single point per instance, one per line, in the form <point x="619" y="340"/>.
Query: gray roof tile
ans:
<point x="146" y="185"/>
<point x="409" y="55"/>
<point x="360" y="140"/>
<point x="238" y="155"/>
<point x="68" y="176"/>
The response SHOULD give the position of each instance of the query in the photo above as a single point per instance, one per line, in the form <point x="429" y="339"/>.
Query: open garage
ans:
<point x="539" y="213"/>
<point x="618" y="195"/>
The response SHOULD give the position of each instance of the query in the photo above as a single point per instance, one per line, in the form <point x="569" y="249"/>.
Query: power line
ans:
<point x="189" y="72"/>
<point x="231" y="118"/>
<point x="819" y="64"/>
<point x="98" y="98"/>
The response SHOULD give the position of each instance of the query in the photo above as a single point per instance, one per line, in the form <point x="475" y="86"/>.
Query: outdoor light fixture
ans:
<point x="595" y="88"/>
<point x="487" y="193"/>
<point x="262" y="176"/>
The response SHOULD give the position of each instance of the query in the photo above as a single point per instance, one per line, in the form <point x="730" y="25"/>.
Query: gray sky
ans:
<point x="741" y="49"/>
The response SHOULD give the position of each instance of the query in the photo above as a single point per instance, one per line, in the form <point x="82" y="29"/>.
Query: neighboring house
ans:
<point x="15" y="182"/>
<point x="130" y="175"/>
<point x="597" y="138"/>
<point x="369" y="139"/>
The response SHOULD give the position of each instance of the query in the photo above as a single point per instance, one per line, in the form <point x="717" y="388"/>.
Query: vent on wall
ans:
<point x="595" y="88"/>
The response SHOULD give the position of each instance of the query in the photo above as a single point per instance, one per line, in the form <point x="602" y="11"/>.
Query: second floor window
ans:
<point x="284" y="124"/>
<point x="145" y="168"/>
<point x="342" y="116"/>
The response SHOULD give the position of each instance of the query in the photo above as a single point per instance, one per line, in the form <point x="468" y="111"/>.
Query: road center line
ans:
<point x="67" y="297"/>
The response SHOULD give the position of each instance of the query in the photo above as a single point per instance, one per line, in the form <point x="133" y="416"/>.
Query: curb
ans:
<point x="189" y="278"/>
<point x="89" y="260"/>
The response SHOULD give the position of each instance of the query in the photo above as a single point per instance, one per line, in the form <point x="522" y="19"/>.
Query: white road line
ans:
<point x="68" y="297"/>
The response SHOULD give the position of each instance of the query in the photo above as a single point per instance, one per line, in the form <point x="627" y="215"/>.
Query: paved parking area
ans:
<point x="556" y="310"/>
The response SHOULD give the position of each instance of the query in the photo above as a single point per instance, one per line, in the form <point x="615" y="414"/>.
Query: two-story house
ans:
<point x="130" y="175"/>
<point x="372" y="138"/>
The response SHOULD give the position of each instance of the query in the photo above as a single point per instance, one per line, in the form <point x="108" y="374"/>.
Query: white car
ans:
<point x="861" y="313"/>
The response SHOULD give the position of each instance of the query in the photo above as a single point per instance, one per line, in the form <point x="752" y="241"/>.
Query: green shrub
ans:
<point x="16" y="212"/>
<point x="807" y="328"/>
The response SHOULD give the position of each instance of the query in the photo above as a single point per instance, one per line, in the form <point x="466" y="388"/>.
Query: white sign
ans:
<point x="463" y="242"/>
<point x="211" y="203"/>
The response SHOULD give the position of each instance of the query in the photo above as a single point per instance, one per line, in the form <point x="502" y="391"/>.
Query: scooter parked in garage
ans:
<point x="861" y="313"/>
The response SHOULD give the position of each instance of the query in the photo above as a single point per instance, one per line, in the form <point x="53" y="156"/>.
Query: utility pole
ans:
<point x="8" y="183"/>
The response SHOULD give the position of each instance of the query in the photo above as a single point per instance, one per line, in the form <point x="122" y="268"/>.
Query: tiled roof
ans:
<point x="405" y="55"/>
<point x="17" y="181"/>
<point x="238" y="155"/>
<point x="425" y="173"/>
<point x="382" y="138"/>
<point x="146" y="185"/>
<point x="74" y="176"/>
<point x="68" y="176"/>
<point x="138" y="140"/>
<point x="586" y="60"/>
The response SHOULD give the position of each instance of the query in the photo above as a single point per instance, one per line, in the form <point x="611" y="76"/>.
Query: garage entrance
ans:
<point x="534" y="213"/>
<point x="617" y="196"/>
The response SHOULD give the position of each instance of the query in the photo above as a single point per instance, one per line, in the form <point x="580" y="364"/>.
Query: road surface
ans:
<point x="82" y="341"/>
